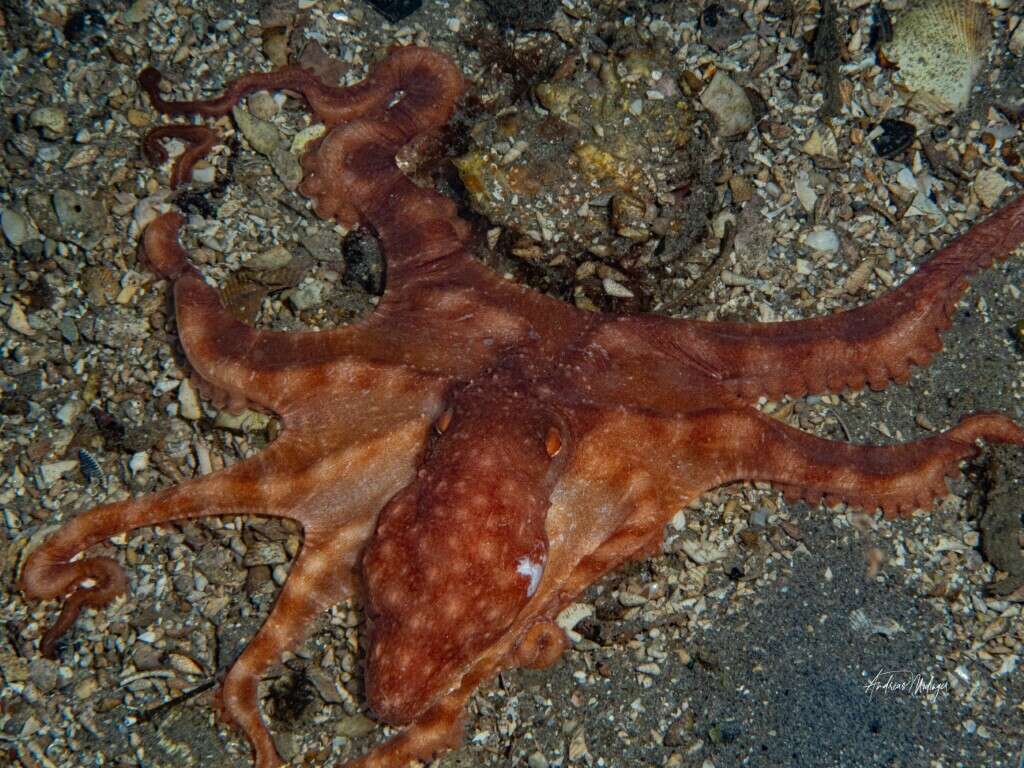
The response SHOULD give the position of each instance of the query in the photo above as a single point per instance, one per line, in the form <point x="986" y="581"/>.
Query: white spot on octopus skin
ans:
<point x="531" y="570"/>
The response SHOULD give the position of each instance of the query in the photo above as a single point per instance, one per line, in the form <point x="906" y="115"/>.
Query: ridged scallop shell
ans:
<point x="243" y="297"/>
<point x="940" y="47"/>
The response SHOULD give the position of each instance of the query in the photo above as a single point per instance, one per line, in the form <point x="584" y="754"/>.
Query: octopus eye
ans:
<point x="553" y="442"/>
<point x="443" y="421"/>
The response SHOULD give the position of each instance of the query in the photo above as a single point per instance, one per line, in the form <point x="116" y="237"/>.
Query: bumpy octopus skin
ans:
<point x="473" y="455"/>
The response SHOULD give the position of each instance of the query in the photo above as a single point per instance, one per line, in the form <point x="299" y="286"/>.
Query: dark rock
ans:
<point x="81" y="219"/>
<point x="395" y="10"/>
<point x="826" y="53"/>
<point x="32" y="250"/>
<point x="218" y="565"/>
<point x="87" y="26"/>
<point x="112" y="328"/>
<point x="364" y="264"/>
<point x="1000" y="519"/>
<point x="881" y="27"/>
<point x="723" y="733"/>
<point x="721" y="24"/>
<point x="896" y="136"/>
<point x="195" y="201"/>
<point x="21" y="22"/>
<point x="522" y="14"/>
<point x="13" y="404"/>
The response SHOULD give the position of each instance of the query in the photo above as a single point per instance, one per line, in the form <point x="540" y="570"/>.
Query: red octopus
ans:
<point x="472" y="455"/>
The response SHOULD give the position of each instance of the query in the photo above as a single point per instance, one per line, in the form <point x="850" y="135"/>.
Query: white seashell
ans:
<point x="138" y="462"/>
<point x="805" y="192"/>
<point x="148" y="208"/>
<point x="821" y="239"/>
<point x="573" y="615"/>
<point x="989" y="187"/>
<point x="940" y="48"/>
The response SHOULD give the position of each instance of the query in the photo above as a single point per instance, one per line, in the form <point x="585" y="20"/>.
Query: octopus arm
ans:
<point x="612" y="503"/>
<point x="442" y="311"/>
<point x="434" y="83"/>
<point x="873" y="344"/>
<point x="238" y="366"/>
<point x="724" y="445"/>
<point x="351" y="173"/>
<point x="334" y="486"/>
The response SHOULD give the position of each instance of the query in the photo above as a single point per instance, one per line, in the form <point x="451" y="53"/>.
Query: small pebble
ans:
<point x="272" y="258"/>
<point x="137" y="118"/>
<point x="43" y="672"/>
<point x="325" y="685"/>
<point x="354" y="726"/>
<point x="17" y="321"/>
<point x="184" y="664"/>
<point x="53" y="121"/>
<point x="265" y="553"/>
<point x="729" y="104"/>
<point x="822" y="143"/>
<point x="138" y="11"/>
<point x="557" y="98"/>
<point x="68" y="412"/>
<point x="823" y="240"/>
<point x="16" y="227"/>
<point x="48" y="474"/>
<point x="616" y="289"/>
<point x="263" y="105"/>
<point x="204" y="173"/>
<point x="287" y="167"/>
<point x="188" y="401"/>
<point x="308" y="295"/>
<point x="261" y="135"/>
<point x="81" y="157"/>
<point x="1017" y="39"/>
<point x="68" y="329"/>
<point x="48" y="154"/>
<point x="741" y="188"/>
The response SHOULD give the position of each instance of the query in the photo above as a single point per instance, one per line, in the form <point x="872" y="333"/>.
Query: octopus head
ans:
<point x="457" y="557"/>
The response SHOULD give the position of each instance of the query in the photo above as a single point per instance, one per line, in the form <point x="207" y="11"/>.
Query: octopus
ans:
<point x="472" y="455"/>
